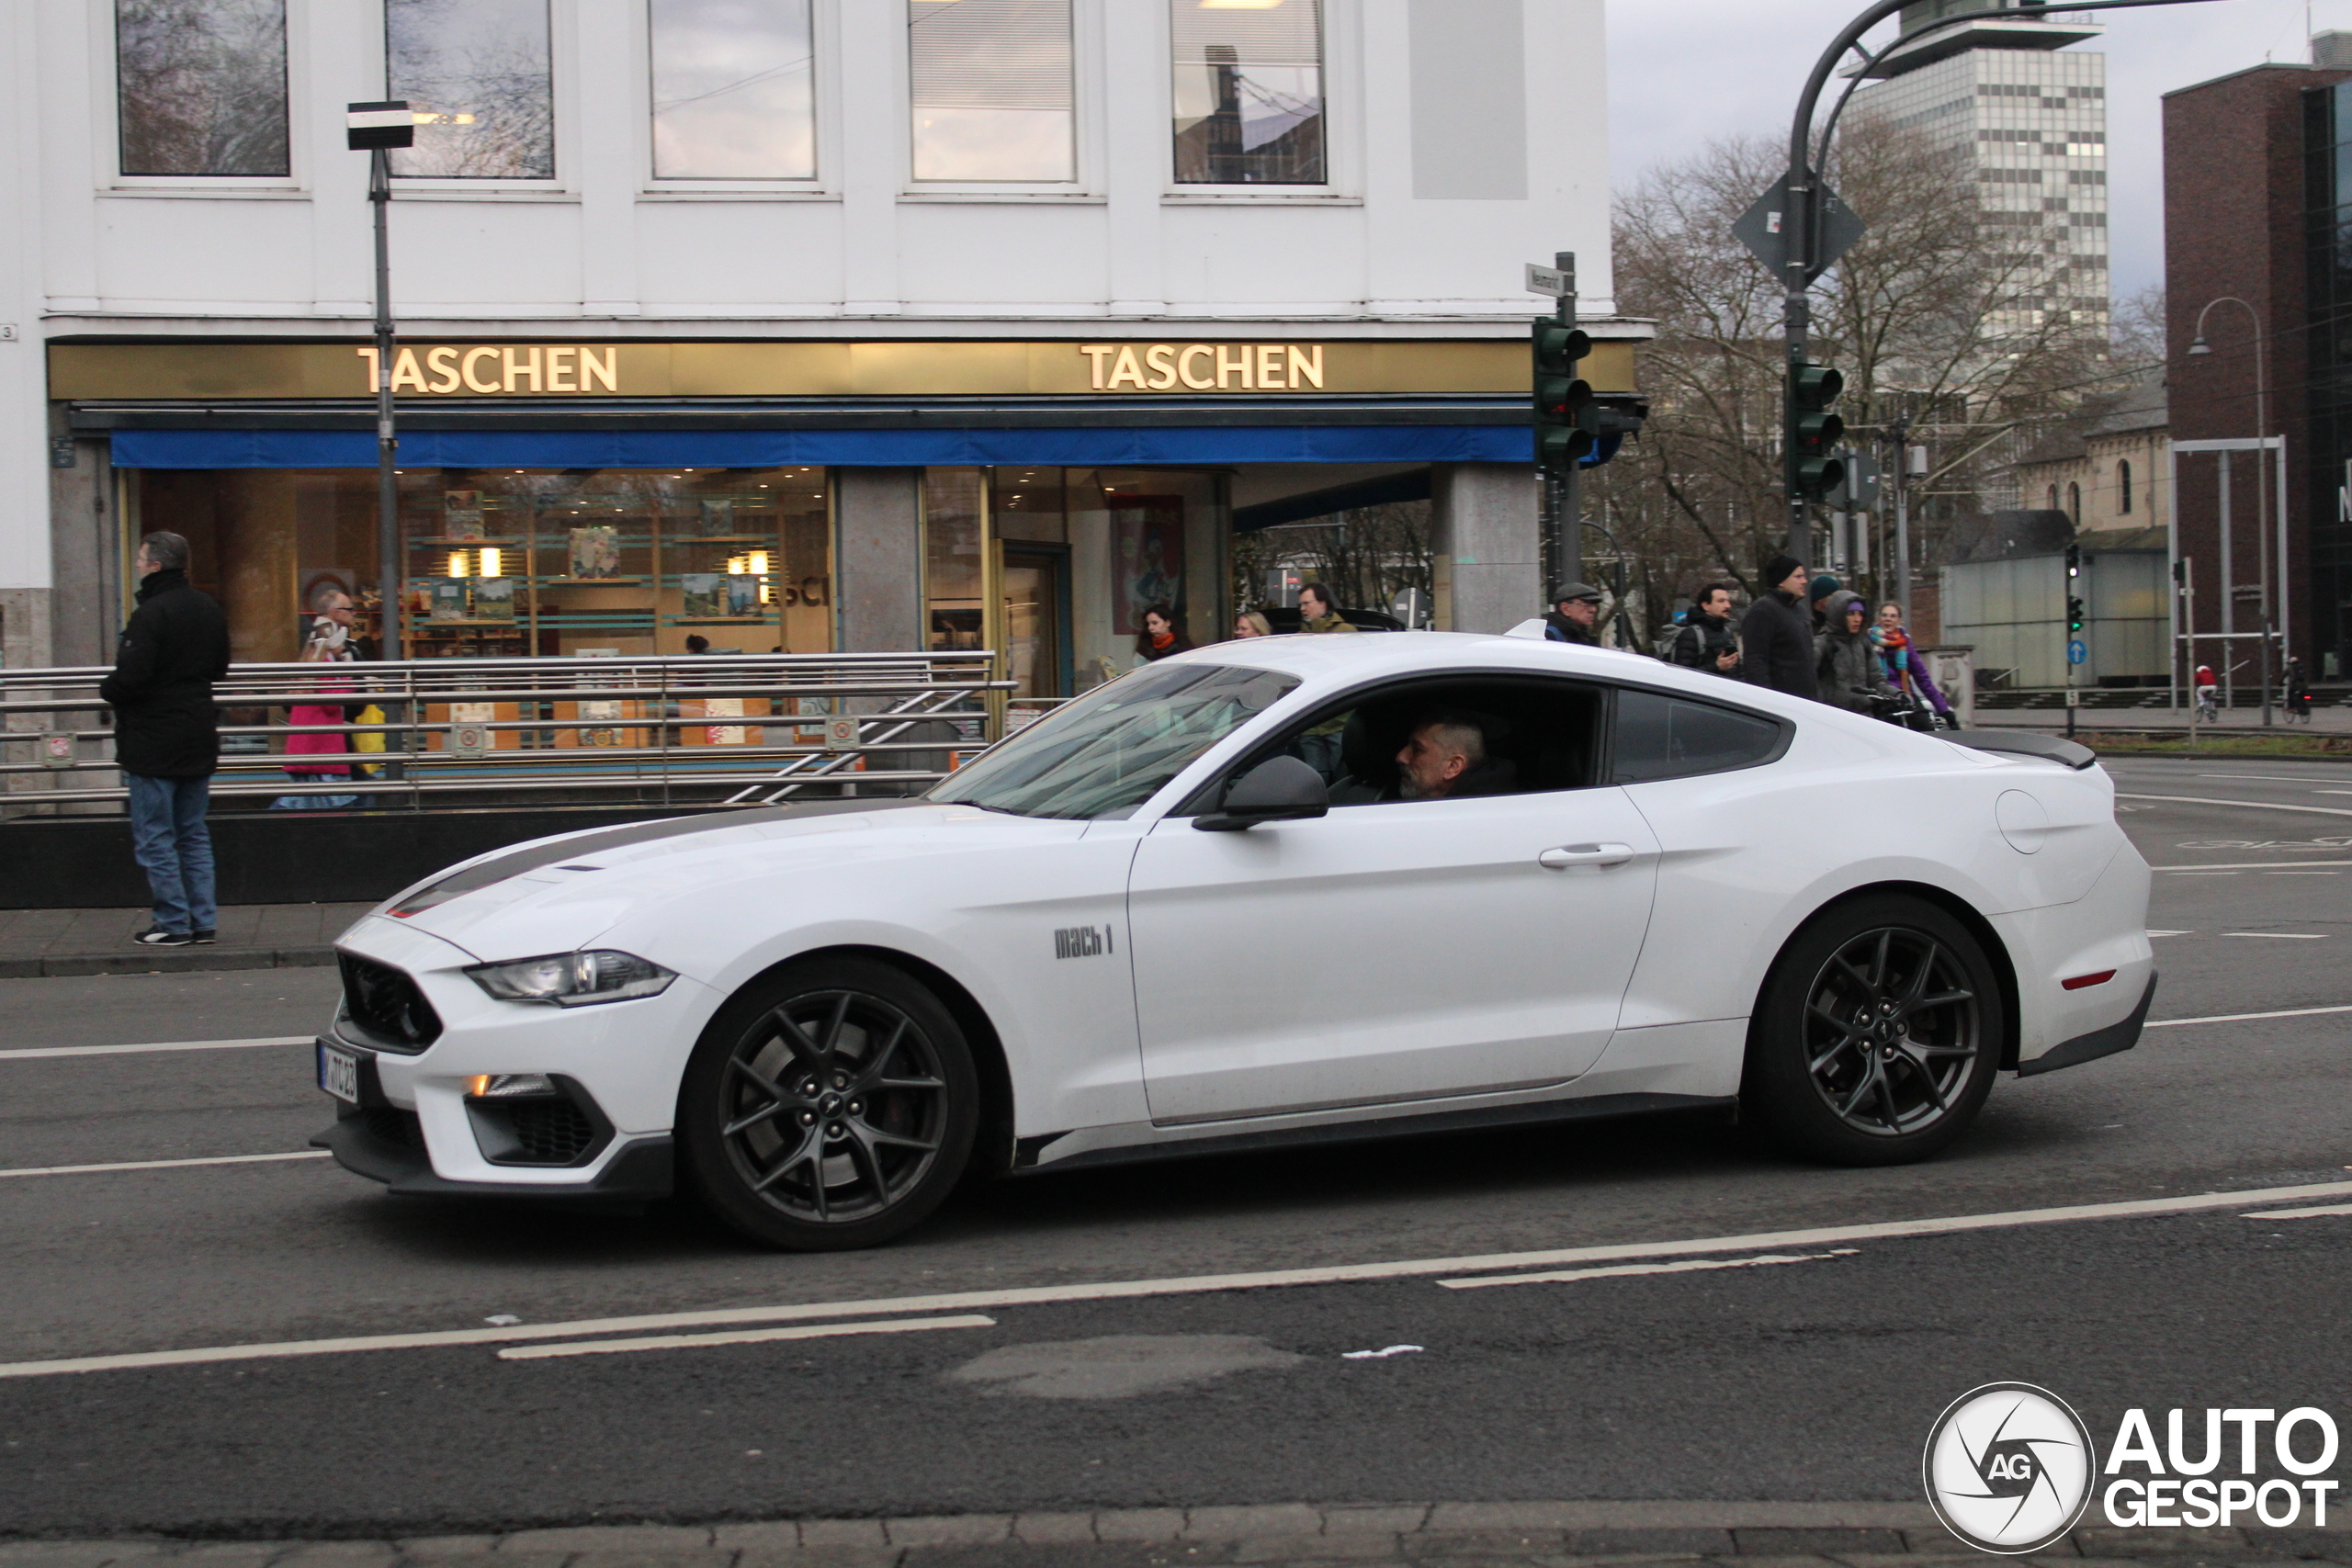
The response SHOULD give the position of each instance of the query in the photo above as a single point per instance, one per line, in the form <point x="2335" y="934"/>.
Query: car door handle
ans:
<point x="1567" y="855"/>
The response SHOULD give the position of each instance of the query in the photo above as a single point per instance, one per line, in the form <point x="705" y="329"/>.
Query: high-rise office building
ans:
<point x="2034" y="121"/>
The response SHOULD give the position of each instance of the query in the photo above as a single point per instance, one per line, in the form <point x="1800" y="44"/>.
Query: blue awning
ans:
<point x="1103" y="446"/>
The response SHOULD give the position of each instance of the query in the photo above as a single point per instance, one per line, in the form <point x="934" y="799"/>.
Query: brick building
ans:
<point x="2250" y="207"/>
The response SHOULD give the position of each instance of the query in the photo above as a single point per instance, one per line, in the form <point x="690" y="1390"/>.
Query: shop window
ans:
<point x="1249" y="92"/>
<point x="201" y="86"/>
<point x="991" y="90"/>
<point x="954" y="539"/>
<point x="733" y="90"/>
<point x="480" y="70"/>
<point x="508" y="564"/>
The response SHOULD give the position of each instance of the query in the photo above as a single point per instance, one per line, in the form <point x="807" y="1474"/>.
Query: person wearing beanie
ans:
<point x="1819" y="591"/>
<point x="1776" y="635"/>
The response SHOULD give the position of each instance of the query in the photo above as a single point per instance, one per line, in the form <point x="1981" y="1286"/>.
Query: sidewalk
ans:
<point x="97" y="942"/>
<point x="1686" y="1534"/>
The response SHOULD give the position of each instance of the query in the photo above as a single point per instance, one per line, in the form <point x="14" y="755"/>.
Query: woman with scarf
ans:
<point x="1905" y="669"/>
<point x="1159" y="637"/>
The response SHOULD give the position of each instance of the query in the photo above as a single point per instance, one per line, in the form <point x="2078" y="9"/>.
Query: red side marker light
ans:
<point x="2079" y="981"/>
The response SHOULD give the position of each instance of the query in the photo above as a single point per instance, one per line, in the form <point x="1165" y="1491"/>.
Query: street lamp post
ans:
<point x="2198" y="345"/>
<point x="376" y="129"/>
<point x="1800" y="219"/>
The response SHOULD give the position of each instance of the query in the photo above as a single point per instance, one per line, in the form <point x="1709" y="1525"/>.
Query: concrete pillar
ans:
<point x="1484" y="517"/>
<point x="877" y="564"/>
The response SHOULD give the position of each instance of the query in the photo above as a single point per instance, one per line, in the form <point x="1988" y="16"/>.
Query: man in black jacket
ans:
<point x="165" y="738"/>
<point x="1776" y="636"/>
<point x="1707" y="640"/>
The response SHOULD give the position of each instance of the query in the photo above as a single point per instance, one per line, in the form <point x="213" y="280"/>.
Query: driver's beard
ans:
<point x="1408" y="787"/>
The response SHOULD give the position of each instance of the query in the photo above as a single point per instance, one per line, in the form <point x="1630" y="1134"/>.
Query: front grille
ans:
<point x="390" y="1125"/>
<point x="387" y="1005"/>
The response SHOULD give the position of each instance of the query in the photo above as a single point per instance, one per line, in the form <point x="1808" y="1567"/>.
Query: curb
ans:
<point x="1785" y="1535"/>
<point x="165" y="961"/>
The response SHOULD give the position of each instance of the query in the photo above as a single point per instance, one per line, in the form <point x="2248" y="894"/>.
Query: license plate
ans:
<point x="339" y="1074"/>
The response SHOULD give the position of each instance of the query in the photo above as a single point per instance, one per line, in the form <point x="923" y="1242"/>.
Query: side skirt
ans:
<point x="1028" y="1152"/>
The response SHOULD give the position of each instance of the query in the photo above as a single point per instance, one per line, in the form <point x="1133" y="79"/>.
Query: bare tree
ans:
<point x="1947" y="311"/>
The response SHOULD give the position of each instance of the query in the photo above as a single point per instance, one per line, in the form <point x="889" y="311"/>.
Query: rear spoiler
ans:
<point x="2025" y="743"/>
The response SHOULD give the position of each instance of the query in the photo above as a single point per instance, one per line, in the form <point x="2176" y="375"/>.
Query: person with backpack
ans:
<point x="1708" y="639"/>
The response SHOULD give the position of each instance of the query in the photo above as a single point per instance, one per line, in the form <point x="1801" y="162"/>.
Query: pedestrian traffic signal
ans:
<point x="1567" y="419"/>
<point x="2073" y="614"/>
<point x="1814" y="431"/>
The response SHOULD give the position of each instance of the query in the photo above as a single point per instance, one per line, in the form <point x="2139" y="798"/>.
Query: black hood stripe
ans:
<point x="530" y="857"/>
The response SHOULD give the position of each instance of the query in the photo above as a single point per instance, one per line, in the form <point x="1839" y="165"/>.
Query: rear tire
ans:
<point x="1877" y="1035"/>
<point x="829" y="1106"/>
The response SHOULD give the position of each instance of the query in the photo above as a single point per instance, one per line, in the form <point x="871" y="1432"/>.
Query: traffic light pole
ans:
<point x="1797" y="222"/>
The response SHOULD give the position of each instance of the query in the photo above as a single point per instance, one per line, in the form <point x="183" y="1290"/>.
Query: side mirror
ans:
<point x="1280" y="789"/>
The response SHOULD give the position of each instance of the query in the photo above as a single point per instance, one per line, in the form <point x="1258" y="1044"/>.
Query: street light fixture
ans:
<point x="2198" y="347"/>
<point x="376" y="129"/>
<point x="1803" y="212"/>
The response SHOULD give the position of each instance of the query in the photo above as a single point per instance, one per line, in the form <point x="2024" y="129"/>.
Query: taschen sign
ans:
<point x="431" y="370"/>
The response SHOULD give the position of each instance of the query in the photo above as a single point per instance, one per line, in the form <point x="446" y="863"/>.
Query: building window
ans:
<point x="991" y="90"/>
<point x="2074" y="504"/>
<point x="733" y="90"/>
<point x="202" y="87"/>
<point x="2123" y="489"/>
<point x="2054" y="498"/>
<point x="1249" y="92"/>
<point x="478" y="68"/>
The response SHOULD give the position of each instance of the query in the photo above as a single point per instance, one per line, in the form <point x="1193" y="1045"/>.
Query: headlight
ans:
<point x="572" y="980"/>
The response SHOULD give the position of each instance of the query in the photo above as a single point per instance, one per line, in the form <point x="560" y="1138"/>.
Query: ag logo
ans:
<point x="2009" y="1467"/>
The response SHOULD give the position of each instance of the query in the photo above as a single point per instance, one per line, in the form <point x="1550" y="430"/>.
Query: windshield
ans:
<point x="1114" y="749"/>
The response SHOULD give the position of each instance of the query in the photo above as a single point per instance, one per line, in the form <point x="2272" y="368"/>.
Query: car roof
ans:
<point x="1325" y="660"/>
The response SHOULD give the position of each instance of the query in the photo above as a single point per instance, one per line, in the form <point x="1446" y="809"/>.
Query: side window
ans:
<point x="1448" y="739"/>
<point x="1659" y="737"/>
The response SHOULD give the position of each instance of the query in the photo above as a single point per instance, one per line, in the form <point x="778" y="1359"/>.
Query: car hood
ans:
<point x="556" y="894"/>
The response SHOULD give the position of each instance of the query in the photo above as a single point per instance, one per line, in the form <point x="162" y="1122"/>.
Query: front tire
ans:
<point x="829" y="1106"/>
<point x="1877" y="1036"/>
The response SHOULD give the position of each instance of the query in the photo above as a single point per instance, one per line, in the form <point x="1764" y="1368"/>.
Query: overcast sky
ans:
<point x="1683" y="72"/>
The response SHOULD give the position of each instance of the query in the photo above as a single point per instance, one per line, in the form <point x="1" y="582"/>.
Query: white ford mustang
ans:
<point x="1286" y="889"/>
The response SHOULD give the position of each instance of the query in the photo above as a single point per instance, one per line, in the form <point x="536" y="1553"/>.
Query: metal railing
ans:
<point x="450" y="733"/>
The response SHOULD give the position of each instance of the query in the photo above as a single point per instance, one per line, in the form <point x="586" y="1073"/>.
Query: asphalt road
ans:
<point x="1813" y="1380"/>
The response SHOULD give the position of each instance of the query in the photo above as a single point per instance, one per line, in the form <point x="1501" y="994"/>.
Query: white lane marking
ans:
<point x="2267" y="778"/>
<point x="2204" y="874"/>
<point x="2283" y="936"/>
<point x="1193" y="1284"/>
<point x="2303" y="873"/>
<point x="2260" y="805"/>
<point x="2311" y="1213"/>
<point x="2155" y="934"/>
<point x="2242" y="1017"/>
<point x="1380" y="1355"/>
<point x="30" y="1052"/>
<point x="2249" y="865"/>
<point x="1692" y="1265"/>
<point x="747" y="1336"/>
<point x="158" y="1164"/>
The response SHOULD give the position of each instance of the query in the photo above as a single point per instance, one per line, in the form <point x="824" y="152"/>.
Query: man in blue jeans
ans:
<point x="168" y="739"/>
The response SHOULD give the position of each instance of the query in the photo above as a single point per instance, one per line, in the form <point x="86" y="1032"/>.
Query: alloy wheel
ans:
<point x="1892" y="1030"/>
<point x="834" y="1105"/>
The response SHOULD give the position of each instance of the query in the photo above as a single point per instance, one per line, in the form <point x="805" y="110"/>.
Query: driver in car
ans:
<point x="1446" y="758"/>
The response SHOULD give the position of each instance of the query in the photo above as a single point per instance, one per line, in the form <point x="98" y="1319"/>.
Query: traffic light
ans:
<point x="2074" y="600"/>
<point x="2073" y="614"/>
<point x="1567" y="421"/>
<point x="1814" y="431"/>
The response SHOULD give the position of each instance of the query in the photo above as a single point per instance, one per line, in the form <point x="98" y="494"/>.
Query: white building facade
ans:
<point x="801" y="324"/>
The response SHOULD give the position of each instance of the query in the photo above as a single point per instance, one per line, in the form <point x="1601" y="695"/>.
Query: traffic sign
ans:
<point x="2077" y="652"/>
<point x="1763" y="229"/>
<point x="1556" y="281"/>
